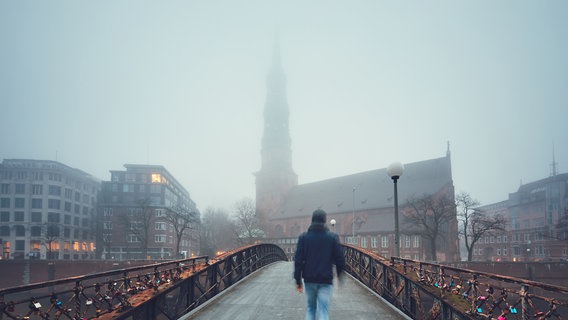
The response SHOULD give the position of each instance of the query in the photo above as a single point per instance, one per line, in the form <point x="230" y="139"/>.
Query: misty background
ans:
<point x="97" y="84"/>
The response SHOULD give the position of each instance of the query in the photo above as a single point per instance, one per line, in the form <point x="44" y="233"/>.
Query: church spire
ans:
<point x="276" y="176"/>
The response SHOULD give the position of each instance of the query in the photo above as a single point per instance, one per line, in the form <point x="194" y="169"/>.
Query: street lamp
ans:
<point x="394" y="171"/>
<point x="333" y="222"/>
<point x="353" y="222"/>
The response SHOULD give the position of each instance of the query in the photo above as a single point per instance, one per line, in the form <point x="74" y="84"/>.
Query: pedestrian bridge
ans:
<point x="255" y="282"/>
<point x="271" y="293"/>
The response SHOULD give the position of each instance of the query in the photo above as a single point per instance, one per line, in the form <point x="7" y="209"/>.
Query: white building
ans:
<point x="47" y="210"/>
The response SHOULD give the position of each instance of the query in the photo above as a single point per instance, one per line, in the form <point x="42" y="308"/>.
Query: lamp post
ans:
<point x="353" y="222"/>
<point x="333" y="222"/>
<point x="394" y="171"/>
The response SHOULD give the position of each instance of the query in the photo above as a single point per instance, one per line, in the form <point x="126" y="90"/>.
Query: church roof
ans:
<point x="373" y="189"/>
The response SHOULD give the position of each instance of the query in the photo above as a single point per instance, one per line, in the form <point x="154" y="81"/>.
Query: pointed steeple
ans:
<point x="276" y="176"/>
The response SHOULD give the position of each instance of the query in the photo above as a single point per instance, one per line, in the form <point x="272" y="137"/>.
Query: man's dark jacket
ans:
<point x="317" y="251"/>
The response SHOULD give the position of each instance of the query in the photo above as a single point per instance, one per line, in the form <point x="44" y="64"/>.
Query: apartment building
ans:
<point x="145" y="213"/>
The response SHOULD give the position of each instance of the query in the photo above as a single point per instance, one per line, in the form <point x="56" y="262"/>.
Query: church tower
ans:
<point x="276" y="176"/>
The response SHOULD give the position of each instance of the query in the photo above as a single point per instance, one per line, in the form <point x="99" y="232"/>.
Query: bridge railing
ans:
<point x="157" y="291"/>
<point x="431" y="291"/>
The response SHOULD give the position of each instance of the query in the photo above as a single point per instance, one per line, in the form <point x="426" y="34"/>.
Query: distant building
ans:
<point x="361" y="204"/>
<point x="47" y="210"/>
<point x="143" y="212"/>
<point x="537" y="228"/>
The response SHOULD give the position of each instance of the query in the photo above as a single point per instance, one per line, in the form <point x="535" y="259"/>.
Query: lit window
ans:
<point x="156" y="178"/>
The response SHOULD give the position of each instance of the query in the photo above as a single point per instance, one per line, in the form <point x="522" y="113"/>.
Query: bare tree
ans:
<point x="182" y="220"/>
<point x="474" y="224"/>
<point x="137" y="222"/>
<point x="51" y="234"/>
<point x="247" y="221"/>
<point x="431" y="215"/>
<point x="217" y="232"/>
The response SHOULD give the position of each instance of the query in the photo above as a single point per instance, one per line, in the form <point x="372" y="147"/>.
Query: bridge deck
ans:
<point x="271" y="294"/>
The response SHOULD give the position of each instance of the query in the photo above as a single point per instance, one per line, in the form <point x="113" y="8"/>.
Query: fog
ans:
<point x="97" y="84"/>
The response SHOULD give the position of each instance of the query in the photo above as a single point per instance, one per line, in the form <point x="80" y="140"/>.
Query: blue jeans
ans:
<point x="318" y="296"/>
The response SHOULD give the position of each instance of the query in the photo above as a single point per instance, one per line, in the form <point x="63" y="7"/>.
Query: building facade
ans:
<point x="537" y="224"/>
<point x="47" y="210"/>
<point x="361" y="204"/>
<point x="145" y="213"/>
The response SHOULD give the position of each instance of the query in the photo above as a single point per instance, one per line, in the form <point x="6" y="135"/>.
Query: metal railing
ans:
<point x="157" y="291"/>
<point x="432" y="291"/>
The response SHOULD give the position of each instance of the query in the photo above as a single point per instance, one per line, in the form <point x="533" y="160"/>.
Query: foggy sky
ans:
<point x="97" y="84"/>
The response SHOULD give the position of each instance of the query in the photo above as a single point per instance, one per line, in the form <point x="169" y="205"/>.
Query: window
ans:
<point x="68" y="194"/>
<point x="67" y="206"/>
<point x="53" y="217"/>
<point x="37" y="189"/>
<point x="67" y="219"/>
<point x="527" y="236"/>
<point x="373" y="242"/>
<point x="160" y="226"/>
<point x="20" y="245"/>
<point x="53" y="231"/>
<point x="36" y="217"/>
<point x="364" y="242"/>
<point x="384" y="242"/>
<point x="53" y="204"/>
<point x="77" y="196"/>
<point x="19" y="203"/>
<point x="66" y="233"/>
<point x="4" y="231"/>
<point x="76" y="221"/>
<point x="156" y="178"/>
<point x="54" y="190"/>
<point x="5" y="203"/>
<point x="4" y="216"/>
<point x="20" y="231"/>
<point x="505" y="251"/>
<point x="19" y="216"/>
<point x="107" y="212"/>
<point x="416" y="242"/>
<point x="498" y="251"/>
<point x="160" y="212"/>
<point x="407" y="242"/>
<point x="5" y="188"/>
<point x="133" y="238"/>
<point x="159" y="238"/>
<point x="107" y="225"/>
<point x="20" y="188"/>
<point x="37" y="203"/>
<point x="35" y="245"/>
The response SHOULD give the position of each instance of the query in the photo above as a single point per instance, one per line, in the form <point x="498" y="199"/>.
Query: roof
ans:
<point x="366" y="190"/>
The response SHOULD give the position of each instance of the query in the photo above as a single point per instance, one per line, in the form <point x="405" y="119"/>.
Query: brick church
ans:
<point x="360" y="204"/>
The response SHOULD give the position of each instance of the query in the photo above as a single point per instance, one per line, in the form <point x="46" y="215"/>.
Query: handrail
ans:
<point x="150" y="292"/>
<point x="425" y="290"/>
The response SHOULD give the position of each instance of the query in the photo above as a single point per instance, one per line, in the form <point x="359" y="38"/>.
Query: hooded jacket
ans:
<point x="316" y="252"/>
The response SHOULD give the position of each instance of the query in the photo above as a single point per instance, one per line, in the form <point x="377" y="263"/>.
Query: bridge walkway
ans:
<point x="270" y="294"/>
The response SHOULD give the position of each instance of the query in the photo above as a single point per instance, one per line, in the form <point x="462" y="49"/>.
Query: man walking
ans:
<point x="317" y="251"/>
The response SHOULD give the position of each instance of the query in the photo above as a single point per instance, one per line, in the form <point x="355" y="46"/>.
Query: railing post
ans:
<point x="525" y="302"/>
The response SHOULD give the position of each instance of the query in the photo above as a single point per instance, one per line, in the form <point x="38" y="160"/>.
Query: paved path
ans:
<point x="271" y="294"/>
